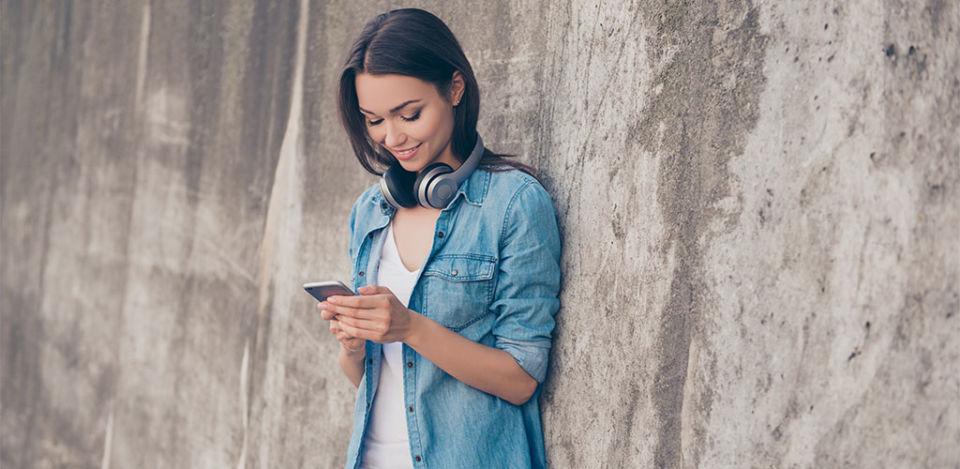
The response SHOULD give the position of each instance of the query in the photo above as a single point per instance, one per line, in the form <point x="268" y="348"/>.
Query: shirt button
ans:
<point x="410" y="408"/>
<point x="453" y="272"/>
<point x="370" y="361"/>
<point x="440" y="234"/>
<point x="361" y="273"/>
<point x="417" y="457"/>
<point x="409" y="364"/>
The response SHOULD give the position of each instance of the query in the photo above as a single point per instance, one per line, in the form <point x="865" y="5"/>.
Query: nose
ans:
<point x="395" y="137"/>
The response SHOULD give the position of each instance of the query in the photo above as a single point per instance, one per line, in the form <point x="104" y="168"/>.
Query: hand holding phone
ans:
<point x="321" y="291"/>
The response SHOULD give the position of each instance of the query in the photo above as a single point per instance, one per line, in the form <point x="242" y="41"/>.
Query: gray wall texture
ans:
<point x="759" y="204"/>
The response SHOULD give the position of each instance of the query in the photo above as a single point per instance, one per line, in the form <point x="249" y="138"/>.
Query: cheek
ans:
<point x="432" y="128"/>
<point x="420" y="131"/>
<point x="376" y="133"/>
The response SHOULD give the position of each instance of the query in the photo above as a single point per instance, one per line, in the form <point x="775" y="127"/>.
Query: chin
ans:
<point x="412" y="166"/>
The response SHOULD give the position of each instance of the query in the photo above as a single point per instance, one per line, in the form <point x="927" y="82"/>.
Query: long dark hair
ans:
<point x="414" y="43"/>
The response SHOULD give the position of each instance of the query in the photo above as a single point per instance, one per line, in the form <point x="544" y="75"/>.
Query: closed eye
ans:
<point x="405" y="118"/>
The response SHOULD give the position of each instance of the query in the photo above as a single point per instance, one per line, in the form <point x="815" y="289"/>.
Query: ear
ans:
<point x="457" y="87"/>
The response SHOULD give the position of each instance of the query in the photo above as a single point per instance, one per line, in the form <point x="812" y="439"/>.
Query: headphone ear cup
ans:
<point x="422" y="184"/>
<point x="396" y="185"/>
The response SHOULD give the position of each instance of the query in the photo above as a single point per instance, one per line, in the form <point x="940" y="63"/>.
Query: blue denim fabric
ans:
<point x="493" y="276"/>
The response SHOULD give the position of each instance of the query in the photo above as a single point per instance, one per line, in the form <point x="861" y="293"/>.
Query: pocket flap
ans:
<point x="461" y="267"/>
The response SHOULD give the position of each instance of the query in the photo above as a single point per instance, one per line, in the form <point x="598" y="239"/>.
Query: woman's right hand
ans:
<point x="351" y="345"/>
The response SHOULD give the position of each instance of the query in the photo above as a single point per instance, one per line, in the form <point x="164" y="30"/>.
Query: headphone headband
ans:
<point x="466" y="169"/>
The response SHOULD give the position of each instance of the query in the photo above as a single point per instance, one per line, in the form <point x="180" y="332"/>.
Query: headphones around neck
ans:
<point x="434" y="187"/>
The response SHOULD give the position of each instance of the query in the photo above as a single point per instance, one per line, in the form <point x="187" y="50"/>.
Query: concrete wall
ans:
<point x="759" y="204"/>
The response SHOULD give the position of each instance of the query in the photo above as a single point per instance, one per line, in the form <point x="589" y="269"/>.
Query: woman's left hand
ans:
<point x="376" y="314"/>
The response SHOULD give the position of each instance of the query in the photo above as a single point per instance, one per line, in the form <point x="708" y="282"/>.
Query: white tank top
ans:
<point x="385" y="443"/>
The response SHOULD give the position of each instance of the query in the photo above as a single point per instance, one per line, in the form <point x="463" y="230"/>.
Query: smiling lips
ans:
<point x="408" y="153"/>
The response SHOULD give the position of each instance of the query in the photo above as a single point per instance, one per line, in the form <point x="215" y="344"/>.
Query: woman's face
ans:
<point x="408" y="117"/>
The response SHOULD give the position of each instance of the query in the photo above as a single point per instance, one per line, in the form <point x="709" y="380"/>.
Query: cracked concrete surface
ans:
<point x="759" y="205"/>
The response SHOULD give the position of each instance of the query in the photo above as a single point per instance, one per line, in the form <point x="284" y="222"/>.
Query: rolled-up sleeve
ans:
<point x="528" y="282"/>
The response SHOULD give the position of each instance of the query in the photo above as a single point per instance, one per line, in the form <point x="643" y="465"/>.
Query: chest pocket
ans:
<point x="458" y="288"/>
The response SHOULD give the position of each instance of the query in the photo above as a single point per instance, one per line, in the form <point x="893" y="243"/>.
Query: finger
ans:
<point x="351" y="301"/>
<point x="354" y="332"/>
<point x="338" y="299"/>
<point x="374" y="290"/>
<point x="364" y="324"/>
<point x="349" y="311"/>
<point x="340" y="334"/>
<point x="352" y="345"/>
<point x="335" y="327"/>
<point x="361" y="302"/>
<point x="371" y="303"/>
<point x="327" y="315"/>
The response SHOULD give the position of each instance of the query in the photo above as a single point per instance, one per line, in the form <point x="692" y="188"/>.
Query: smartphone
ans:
<point x="322" y="290"/>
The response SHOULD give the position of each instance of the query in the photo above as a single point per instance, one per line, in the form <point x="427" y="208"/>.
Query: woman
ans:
<point x="456" y="258"/>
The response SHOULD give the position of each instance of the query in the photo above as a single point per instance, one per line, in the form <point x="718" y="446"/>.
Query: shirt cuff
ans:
<point x="532" y="356"/>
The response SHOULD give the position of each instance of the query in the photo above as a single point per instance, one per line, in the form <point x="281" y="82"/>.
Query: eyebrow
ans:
<point x="394" y="109"/>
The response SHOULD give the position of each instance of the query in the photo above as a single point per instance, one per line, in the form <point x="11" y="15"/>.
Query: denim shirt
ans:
<point x="493" y="276"/>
